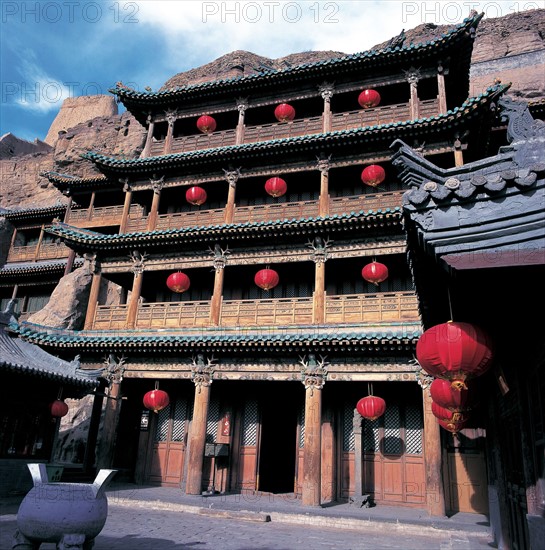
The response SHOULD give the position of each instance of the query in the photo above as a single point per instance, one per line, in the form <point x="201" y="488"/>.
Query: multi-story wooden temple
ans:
<point x="270" y="335"/>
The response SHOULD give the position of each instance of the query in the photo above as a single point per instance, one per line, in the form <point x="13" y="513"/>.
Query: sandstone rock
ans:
<point x="75" y="110"/>
<point x="6" y="231"/>
<point x="12" y="146"/>
<point x="68" y="303"/>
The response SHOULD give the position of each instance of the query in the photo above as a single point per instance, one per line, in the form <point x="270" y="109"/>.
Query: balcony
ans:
<point x="271" y="212"/>
<point x="300" y="127"/>
<point x="356" y="308"/>
<point x="47" y="251"/>
<point x="102" y="216"/>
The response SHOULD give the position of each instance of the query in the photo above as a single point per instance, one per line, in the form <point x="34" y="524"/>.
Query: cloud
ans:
<point x="37" y="91"/>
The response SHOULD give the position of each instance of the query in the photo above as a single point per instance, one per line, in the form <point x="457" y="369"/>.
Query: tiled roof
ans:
<point x="234" y="339"/>
<point x="325" y="141"/>
<point x="23" y="357"/>
<point x="368" y="58"/>
<point x="28" y="213"/>
<point x="66" y="181"/>
<point x="47" y="266"/>
<point x="236" y="231"/>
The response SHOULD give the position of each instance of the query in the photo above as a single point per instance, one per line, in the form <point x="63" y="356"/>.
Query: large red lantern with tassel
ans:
<point x="156" y="399"/>
<point x="375" y="272"/>
<point x="266" y="278"/>
<point x="195" y="195"/>
<point x="444" y="414"/>
<point x="276" y="187"/>
<point x="178" y="282"/>
<point x="58" y="408"/>
<point x="448" y="397"/>
<point x="452" y="426"/>
<point x="369" y="98"/>
<point x="371" y="407"/>
<point x="373" y="175"/>
<point x="454" y="351"/>
<point x="206" y="124"/>
<point x="284" y="112"/>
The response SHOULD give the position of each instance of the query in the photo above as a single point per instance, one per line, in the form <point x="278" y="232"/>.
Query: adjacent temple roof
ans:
<point x="328" y="143"/>
<point x="489" y="213"/>
<point x="31" y="268"/>
<point x="65" y="182"/>
<point x="457" y="43"/>
<point x="354" y="338"/>
<point x="31" y="213"/>
<point x="25" y="358"/>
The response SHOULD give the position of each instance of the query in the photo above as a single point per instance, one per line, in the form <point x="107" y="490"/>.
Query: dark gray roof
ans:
<point x="25" y="358"/>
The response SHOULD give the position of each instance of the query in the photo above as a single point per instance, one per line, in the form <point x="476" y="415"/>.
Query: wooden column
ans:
<point x="114" y="374"/>
<point x="149" y="138"/>
<point x="69" y="262"/>
<point x="197" y="434"/>
<point x="40" y="239"/>
<point x="13" y="237"/>
<point x="134" y="300"/>
<point x="14" y="291"/>
<point x="68" y="209"/>
<point x="323" y="166"/>
<point x="94" y="267"/>
<point x="314" y="378"/>
<point x="326" y="90"/>
<point x="458" y="153"/>
<point x="171" y="119"/>
<point x="357" y="422"/>
<point x="413" y="76"/>
<point x="157" y="185"/>
<point x="242" y="105"/>
<point x="217" y="295"/>
<point x="91" y="206"/>
<point x="126" y="208"/>
<point x="319" y="257"/>
<point x="92" y="434"/>
<point x="441" y="90"/>
<point x="231" y="176"/>
<point x="435" y="495"/>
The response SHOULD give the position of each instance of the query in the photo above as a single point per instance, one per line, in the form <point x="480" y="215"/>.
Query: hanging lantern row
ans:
<point x="448" y="397"/>
<point x="266" y="278"/>
<point x="371" y="407"/>
<point x="368" y="99"/>
<point x="276" y="187"/>
<point x="375" y="273"/>
<point x="178" y="282"/>
<point x="206" y="124"/>
<point x="284" y="112"/>
<point x="373" y="175"/>
<point x="195" y="195"/>
<point x="156" y="399"/>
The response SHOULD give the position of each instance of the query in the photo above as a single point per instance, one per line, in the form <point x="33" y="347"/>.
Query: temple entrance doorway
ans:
<point x="278" y="446"/>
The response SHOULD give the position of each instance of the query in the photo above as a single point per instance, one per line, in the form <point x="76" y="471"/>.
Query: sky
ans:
<point x="54" y="49"/>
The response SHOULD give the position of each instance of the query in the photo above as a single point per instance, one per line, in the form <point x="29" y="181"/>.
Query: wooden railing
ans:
<point x="371" y="308"/>
<point x="352" y="308"/>
<point x="279" y="211"/>
<point x="195" y="218"/>
<point x="103" y="215"/>
<point x="345" y="205"/>
<point x="278" y="130"/>
<point x="48" y="251"/>
<point x="300" y="127"/>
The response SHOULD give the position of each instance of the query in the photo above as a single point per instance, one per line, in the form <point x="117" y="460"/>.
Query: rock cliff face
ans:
<point x="75" y="110"/>
<point x="12" y="146"/>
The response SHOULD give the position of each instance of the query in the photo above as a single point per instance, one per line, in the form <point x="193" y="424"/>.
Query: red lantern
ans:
<point x="156" y="400"/>
<point x="451" y="425"/>
<point x="266" y="278"/>
<point x="58" y="408"/>
<point x="448" y="397"/>
<point x="375" y="273"/>
<point x="206" y="124"/>
<point x="454" y="351"/>
<point x="369" y="98"/>
<point x="276" y="187"/>
<point x="178" y="282"/>
<point x="373" y="175"/>
<point x="448" y="416"/>
<point x="284" y="112"/>
<point x="195" y="195"/>
<point x="371" y="407"/>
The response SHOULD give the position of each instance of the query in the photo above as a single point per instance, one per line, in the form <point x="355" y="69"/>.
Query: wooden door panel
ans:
<point x="247" y="468"/>
<point x="158" y="462"/>
<point x="174" y="463"/>
<point x="393" y="480"/>
<point x="415" y="481"/>
<point x="468" y="483"/>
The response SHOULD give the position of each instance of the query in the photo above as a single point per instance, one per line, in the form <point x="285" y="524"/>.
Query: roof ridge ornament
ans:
<point x="521" y="125"/>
